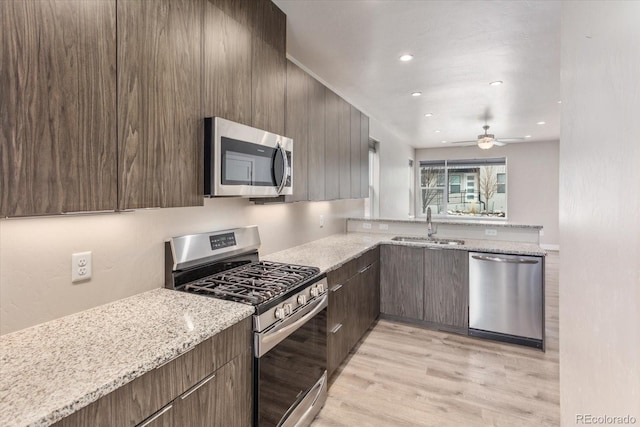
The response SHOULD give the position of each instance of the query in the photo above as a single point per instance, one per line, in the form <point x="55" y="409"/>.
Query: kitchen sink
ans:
<point x="428" y="240"/>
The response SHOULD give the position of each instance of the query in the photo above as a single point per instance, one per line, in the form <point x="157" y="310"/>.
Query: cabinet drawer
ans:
<point x="368" y="258"/>
<point x="342" y="274"/>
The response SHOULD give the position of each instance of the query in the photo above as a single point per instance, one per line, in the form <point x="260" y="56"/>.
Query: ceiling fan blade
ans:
<point x="499" y="143"/>
<point x="475" y="141"/>
<point x="507" y="140"/>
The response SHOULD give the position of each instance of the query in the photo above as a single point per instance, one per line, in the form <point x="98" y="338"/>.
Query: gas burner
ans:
<point x="254" y="283"/>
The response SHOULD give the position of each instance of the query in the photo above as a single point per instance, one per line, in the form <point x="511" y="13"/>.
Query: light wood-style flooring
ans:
<point x="402" y="375"/>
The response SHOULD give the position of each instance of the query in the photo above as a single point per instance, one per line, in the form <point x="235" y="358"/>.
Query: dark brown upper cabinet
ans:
<point x="364" y="156"/>
<point x="297" y="127"/>
<point x="356" y="160"/>
<point x="227" y="63"/>
<point x="332" y="147"/>
<point x="160" y="125"/>
<point x="344" y="148"/>
<point x="316" y="144"/>
<point x="58" y="107"/>
<point x="269" y="67"/>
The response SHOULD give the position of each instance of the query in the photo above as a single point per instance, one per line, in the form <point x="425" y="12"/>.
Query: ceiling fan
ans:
<point x="488" y="140"/>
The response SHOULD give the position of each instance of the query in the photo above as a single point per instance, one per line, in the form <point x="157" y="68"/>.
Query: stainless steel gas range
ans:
<point x="289" y="325"/>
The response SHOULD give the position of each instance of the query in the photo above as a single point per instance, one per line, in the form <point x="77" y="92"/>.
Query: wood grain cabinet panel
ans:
<point x="160" y="126"/>
<point x="353" y="305"/>
<point x="227" y="65"/>
<point x="355" y="152"/>
<point x="402" y="281"/>
<point x="58" y="107"/>
<point x="344" y="148"/>
<point x="364" y="156"/>
<point x="332" y="147"/>
<point x="222" y="399"/>
<point x="269" y="67"/>
<point x="446" y="290"/>
<point x="316" y="146"/>
<point x="297" y="127"/>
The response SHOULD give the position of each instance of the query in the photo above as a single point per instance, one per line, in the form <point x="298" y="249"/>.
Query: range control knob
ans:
<point x="280" y="313"/>
<point x="314" y="292"/>
<point x="288" y="309"/>
<point x="321" y="288"/>
<point x="302" y="299"/>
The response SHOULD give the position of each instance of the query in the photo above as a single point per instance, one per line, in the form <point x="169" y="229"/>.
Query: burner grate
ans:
<point x="253" y="283"/>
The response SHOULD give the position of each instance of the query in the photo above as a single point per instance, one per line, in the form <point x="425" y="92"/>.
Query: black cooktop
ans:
<point x="257" y="283"/>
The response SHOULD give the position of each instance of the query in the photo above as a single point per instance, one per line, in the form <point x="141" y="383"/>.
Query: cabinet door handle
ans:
<point x="336" y="328"/>
<point x="336" y="287"/>
<point x="197" y="386"/>
<point x="365" y="269"/>
<point x="156" y="416"/>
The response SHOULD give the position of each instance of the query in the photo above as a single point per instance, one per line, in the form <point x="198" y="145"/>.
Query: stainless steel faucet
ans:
<point x="430" y="231"/>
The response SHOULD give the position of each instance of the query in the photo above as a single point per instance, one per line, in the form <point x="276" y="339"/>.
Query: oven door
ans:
<point x="291" y="363"/>
<point x="245" y="161"/>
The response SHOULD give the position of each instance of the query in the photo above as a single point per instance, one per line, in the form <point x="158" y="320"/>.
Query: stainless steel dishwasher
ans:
<point x="506" y="298"/>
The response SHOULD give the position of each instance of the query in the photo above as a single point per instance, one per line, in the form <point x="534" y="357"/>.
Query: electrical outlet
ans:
<point x="491" y="232"/>
<point x="366" y="225"/>
<point x="321" y="221"/>
<point x="383" y="226"/>
<point x="80" y="266"/>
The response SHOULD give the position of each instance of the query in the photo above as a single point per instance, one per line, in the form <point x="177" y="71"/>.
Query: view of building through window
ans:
<point x="469" y="188"/>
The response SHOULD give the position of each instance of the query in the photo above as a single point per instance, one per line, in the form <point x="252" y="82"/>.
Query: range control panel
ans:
<point x="221" y="241"/>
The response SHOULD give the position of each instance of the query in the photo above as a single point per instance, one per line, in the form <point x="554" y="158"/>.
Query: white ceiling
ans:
<point x="459" y="48"/>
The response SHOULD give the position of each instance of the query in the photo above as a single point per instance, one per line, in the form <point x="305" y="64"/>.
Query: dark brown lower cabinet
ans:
<point x="402" y="281"/>
<point x="210" y="382"/>
<point x="222" y="399"/>
<point x="446" y="287"/>
<point x="425" y="284"/>
<point x="353" y="306"/>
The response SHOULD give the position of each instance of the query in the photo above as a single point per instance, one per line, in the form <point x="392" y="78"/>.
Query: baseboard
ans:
<point x="550" y="247"/>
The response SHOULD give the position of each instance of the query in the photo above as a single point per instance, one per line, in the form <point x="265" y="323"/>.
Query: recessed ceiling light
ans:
<point x="527" y="136"/>
<point x="541" y="123"/>
<point x="416" y="93"/>
<point x="559" y="102"/>
<point x="496" y="83"/>
<point x="444" y="142"/>
<point x="406" y="57"/>
<point x="429" y="115"/>
<point x="437" y="131"/>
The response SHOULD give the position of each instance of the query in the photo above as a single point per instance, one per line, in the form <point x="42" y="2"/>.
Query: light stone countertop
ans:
<point x="51" y="370"/>
<point x="466" y="222"/>
<point x="332" y="252"/>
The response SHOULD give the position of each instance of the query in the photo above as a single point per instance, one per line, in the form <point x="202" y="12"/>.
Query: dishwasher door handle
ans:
<point x="506" y="260"/>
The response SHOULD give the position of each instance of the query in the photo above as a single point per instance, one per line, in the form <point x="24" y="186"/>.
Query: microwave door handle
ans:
<point x="285" y="168"/>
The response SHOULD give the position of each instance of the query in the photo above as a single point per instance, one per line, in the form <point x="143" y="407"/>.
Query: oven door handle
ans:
<point x="285" y="168"/>
<point x="263" y="342"/>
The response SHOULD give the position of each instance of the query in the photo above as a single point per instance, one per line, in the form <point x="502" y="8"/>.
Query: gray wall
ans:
<point x="532" y="181"/>
<point x="600" y="258"/>
<point x="128" y="250"/>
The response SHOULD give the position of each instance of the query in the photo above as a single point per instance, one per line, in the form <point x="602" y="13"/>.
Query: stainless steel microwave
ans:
<point x="245" y="161"/>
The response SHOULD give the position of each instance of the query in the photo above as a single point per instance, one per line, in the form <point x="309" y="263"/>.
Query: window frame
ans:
<point x="451" y="164"/>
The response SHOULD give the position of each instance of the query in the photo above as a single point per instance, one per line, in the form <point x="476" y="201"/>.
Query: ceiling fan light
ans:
<point x="485" y="141"/>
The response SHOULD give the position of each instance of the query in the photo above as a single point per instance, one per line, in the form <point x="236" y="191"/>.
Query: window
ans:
<point x="502" y="183"/>
<point x="454" y="184"/>
<point x="412" y="186"/>
<point x="475" y="188"/>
